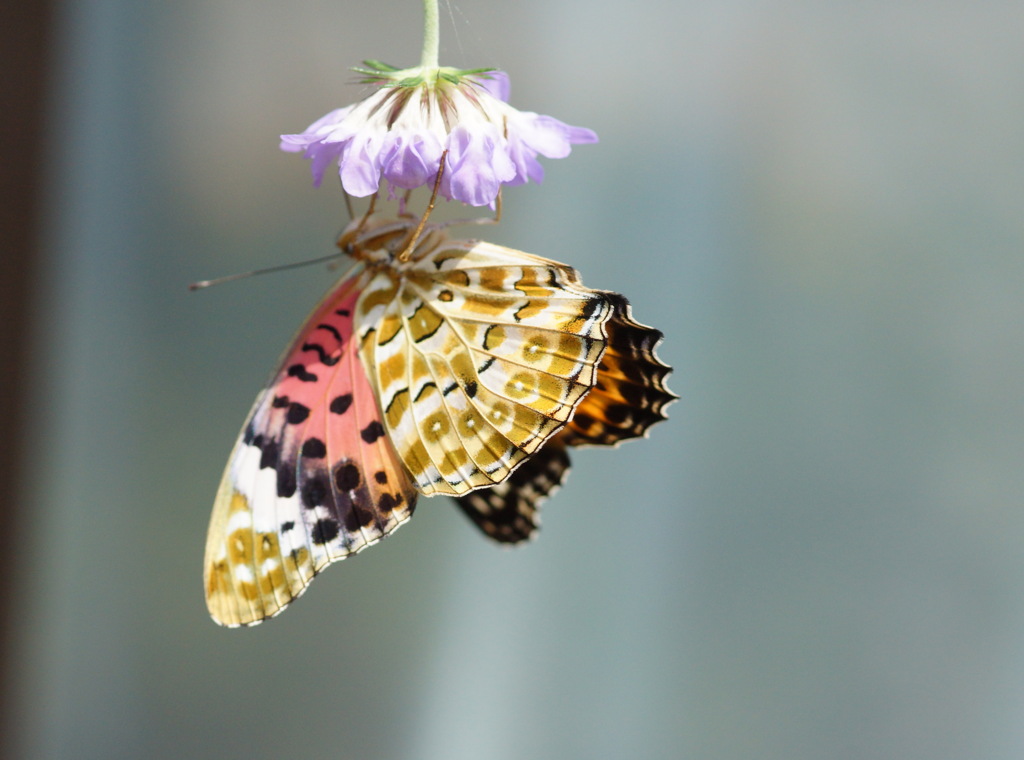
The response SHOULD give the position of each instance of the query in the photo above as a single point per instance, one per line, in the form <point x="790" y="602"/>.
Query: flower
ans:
<point x="401" y="131"/>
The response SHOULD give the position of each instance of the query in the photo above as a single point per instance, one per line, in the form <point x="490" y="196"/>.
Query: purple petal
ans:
<point x="294" y="143"/>
<point x="321" y="156"/>
<point x="331" y="119"/>
<point x="410" y="160"/>
<point x="477" y="166"/>
<point x="550" y="137"/>
<point x="526" y="163"/>
<point x="360" y="165"/>
<point x="496" y="83"/>
<point x="315" y="131"/>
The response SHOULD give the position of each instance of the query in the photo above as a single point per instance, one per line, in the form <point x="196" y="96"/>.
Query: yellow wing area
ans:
<point x="479" y="354"/>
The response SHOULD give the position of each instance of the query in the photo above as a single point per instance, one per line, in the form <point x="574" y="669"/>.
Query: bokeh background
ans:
<point x="819" y="555"/>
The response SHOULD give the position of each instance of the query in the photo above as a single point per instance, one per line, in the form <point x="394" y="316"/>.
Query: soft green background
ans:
<point x="819" y="556"/>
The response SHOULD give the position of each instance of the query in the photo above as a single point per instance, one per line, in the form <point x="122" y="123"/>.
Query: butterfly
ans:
<point x="464" y="368"/>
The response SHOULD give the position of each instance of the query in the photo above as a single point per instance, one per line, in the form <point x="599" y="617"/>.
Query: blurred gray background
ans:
<point x="818" y="556"/>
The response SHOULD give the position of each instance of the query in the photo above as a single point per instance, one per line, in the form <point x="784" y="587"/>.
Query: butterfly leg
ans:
<point x="411" y="244"/>
<point x="480" y="219"/>
<point x="362" y="222"/>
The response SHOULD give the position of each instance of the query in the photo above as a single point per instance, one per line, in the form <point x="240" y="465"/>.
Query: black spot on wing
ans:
<point x="324" y="358"/>
<point x="324" y="531"/>
<point x="358" y="517"/>
<point x="346" y="477"/>
<point x="300" y="372"/>
<point x="341" y="403"/>
<point x="269" y="454"/>
<point x="314" y="448"/>
<point x="372" y="432"/>
<point x="314" y="490"/>
<point x="297" y="413"/>
<point x="333" y="331"/>
<point x="286" y="484"/>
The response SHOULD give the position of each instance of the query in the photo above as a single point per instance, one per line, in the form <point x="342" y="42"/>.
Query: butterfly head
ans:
<point x="379" y="239"/>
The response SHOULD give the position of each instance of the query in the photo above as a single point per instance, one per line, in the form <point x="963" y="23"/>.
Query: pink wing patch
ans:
<point x="312" y="479"/>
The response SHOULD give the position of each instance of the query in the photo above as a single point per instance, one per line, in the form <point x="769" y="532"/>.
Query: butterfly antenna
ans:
<point x="348" y="205"/>
<point x="279" y="268"/>
<point x="407" y="251"/>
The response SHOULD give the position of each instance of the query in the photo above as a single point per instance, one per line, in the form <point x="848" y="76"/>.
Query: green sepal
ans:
<point x="383" y="74"/>
<point x="379" y="65"/>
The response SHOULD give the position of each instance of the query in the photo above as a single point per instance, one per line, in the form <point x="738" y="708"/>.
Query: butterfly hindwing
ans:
<point x="479" y="353"/>
<point x="510" y="512"/>
<point x="630" y="394"/>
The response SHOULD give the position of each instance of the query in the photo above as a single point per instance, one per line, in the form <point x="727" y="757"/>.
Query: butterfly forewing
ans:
<point x="312" y="479"/>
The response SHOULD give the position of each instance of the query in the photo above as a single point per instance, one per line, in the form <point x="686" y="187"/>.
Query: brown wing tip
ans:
<point x="631" y="394"/>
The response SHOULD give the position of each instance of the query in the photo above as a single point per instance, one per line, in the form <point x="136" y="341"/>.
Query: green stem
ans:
<point x="431" y="35"/>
